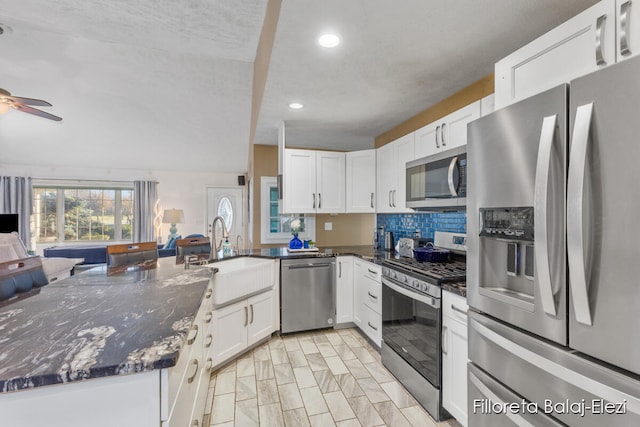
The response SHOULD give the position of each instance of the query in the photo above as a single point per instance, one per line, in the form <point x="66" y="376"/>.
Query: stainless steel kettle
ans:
<point x="389" y="244"/>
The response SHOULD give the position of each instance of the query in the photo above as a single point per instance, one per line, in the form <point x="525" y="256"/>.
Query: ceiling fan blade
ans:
<point x="34" y="111"/>
<point x="29" y="101"/>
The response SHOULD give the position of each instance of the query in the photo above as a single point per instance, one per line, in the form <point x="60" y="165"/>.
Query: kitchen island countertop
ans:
<point x="96" y="324"/>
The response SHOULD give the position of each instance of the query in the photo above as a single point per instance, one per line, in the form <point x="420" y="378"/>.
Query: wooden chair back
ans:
<point x="131" y="253"/>
<point x="198" y="246"/>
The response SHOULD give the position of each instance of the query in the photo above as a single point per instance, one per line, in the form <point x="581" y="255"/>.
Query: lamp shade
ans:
<point x="173" y="216"/>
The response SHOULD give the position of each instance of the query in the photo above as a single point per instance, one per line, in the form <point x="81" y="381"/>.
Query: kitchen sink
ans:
<point x="239" y="277"/>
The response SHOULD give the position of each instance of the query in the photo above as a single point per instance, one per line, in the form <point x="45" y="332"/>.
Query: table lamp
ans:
<point x="173" y="217"/>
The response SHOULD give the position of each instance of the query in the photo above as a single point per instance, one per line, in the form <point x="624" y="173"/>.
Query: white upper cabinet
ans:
<point x="391" y="162"/>
<point x="314" y="182"/>
<point x="330" y="182"/>
<point x="627" y="29"/>
<point x="361" y="181"/>
<point x="487" y="105"/>
<point x="579" y="46"/>
<point x="448" y="132"/>
<point x="299" y="181"/>
<point x="428" y="139"/>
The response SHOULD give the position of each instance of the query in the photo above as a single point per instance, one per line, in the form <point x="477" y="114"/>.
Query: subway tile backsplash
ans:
<point x="404" y="225"/>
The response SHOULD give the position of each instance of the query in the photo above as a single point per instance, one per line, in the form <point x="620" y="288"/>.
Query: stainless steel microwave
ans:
<point x="439" y="181"/>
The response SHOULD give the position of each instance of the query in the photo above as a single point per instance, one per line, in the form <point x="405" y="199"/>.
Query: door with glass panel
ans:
<point x="228" y="204"/>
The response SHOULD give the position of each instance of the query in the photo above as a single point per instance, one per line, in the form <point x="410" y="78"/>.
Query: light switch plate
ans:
<point x="328" y="226"/>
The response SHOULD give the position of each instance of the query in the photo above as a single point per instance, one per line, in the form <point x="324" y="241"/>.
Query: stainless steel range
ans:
<point x="412" y="321"/>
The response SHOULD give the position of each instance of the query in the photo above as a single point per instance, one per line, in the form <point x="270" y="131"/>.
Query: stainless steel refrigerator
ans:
<point x="553" y="260"/>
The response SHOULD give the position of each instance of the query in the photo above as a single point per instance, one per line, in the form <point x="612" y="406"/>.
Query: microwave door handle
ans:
<point x="543" y="167"/>
<point x="575" y="227"/>
<point x="452" y="187"/>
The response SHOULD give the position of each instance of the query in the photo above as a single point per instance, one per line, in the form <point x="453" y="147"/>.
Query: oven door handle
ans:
<point x="433" y="302"/>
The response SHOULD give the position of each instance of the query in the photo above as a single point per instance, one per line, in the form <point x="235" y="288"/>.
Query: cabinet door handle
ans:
<point x="314" y="200"/>
<point x="339" y="269"/>
<point x="437" y="130"/>
<point x="372" y="271"/>
<point x="246" y="316"/>
<point x="600" y="23"/>
<point x="208" y="294"/>
<point x="443" y="339"/>
<point x="319" y="201"/>
<point x="624" y="28"/>
<point x="193" y="333"/>
<point x="194" y="364"/>
<point x="442" y="135"/>
<point x="209" y="317"/>
<point x="459" y="310"/>
<point x="209" y="364"/>
<point x="195" y="423"/>
<point x="372" y="200"/>
<point x="371" y="326"/>
<point x="251" y="308"/>
<point x="390" y="205"/>
<point x="372" y="296"/>
<point x="208" y="341"/>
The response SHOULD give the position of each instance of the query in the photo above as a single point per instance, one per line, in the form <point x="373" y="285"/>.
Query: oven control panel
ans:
<point x="411" y="282"/>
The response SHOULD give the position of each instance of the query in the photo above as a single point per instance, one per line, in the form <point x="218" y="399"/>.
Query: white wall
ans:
<point x="176" y="189"/>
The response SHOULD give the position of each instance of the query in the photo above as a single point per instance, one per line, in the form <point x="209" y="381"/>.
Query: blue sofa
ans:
<point x="97" y="254"/>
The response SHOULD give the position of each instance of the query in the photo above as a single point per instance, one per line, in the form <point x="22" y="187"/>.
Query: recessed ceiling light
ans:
<point x="329" y="40"/>
<point x="295" y="106"/>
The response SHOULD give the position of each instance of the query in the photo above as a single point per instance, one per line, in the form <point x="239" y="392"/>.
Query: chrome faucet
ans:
<point x="225" y="235"/>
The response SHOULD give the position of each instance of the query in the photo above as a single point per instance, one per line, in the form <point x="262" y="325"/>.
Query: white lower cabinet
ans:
<point x="454" y="356"/>
<point x="240" y="325"/>
<point x="344" y="289"/>
<point x="367" y="304"/>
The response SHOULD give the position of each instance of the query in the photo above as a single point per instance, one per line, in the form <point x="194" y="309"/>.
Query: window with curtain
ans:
<point x="90" y="212"/>
<point x="276" y="227"/>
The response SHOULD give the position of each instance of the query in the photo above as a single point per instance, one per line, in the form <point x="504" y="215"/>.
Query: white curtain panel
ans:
<point x="16" y="196"/>
<point x="145" y="194"/>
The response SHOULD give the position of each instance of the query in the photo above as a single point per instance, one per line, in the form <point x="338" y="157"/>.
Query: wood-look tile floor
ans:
<point x="326" y="378"/>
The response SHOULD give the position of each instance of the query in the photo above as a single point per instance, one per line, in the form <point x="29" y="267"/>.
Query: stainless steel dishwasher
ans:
<point x="307" y="294"/>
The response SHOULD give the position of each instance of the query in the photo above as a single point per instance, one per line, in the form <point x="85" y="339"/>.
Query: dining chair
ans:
<point x="131" y="253"/>
<point x="200" y="247"/>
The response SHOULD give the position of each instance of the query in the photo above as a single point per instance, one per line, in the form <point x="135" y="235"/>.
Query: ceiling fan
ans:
<point x="7" y="102"/>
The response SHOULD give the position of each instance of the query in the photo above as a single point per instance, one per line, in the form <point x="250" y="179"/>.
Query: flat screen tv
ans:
<point x="8" y="223"/>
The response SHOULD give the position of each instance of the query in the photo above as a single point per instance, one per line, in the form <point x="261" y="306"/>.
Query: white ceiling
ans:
<point x="167" y="84"/>
<point x="397" y="59"/>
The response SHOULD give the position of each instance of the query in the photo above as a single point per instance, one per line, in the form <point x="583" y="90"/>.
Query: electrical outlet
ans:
<point x="328" y="226"/>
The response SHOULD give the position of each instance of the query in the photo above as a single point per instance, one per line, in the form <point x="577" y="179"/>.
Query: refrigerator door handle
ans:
<point x="452" y="166"/>
<point x="543" y="167"/>
<point x="493" y="398"/>
<point x="575" y="227"/>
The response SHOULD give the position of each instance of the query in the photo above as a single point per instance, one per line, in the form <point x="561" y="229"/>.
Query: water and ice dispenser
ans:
<point x="507" y="251"/>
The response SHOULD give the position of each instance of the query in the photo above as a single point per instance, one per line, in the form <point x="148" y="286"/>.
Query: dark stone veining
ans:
<point x="94" y="325"/>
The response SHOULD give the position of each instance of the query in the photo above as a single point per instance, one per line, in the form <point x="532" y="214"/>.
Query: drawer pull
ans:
<point x="195" y="423"/>
<point x="459" y="310"/>
<point x="194" y="364"/>
<point x="208" y="341"/>
<point x="193" y="333"/>
<point x="371" y="326"/>
<point x="209" y="364"/>
<point x="372" y="296"/>
<point x="209" y="293"/>
<point x="372" y="271"/>
<point x="208" y="317"/>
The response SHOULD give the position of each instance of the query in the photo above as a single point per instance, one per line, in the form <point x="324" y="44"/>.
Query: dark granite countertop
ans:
<point x="365" y="252"/>
<point x="459" y="288"/>
<point x="96" y="324"/>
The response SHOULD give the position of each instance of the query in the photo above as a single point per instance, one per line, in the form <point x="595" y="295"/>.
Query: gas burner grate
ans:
<point x="451" y="271"/>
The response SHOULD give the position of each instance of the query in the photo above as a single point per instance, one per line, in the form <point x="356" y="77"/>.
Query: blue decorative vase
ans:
<point x="295" y="243"/>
